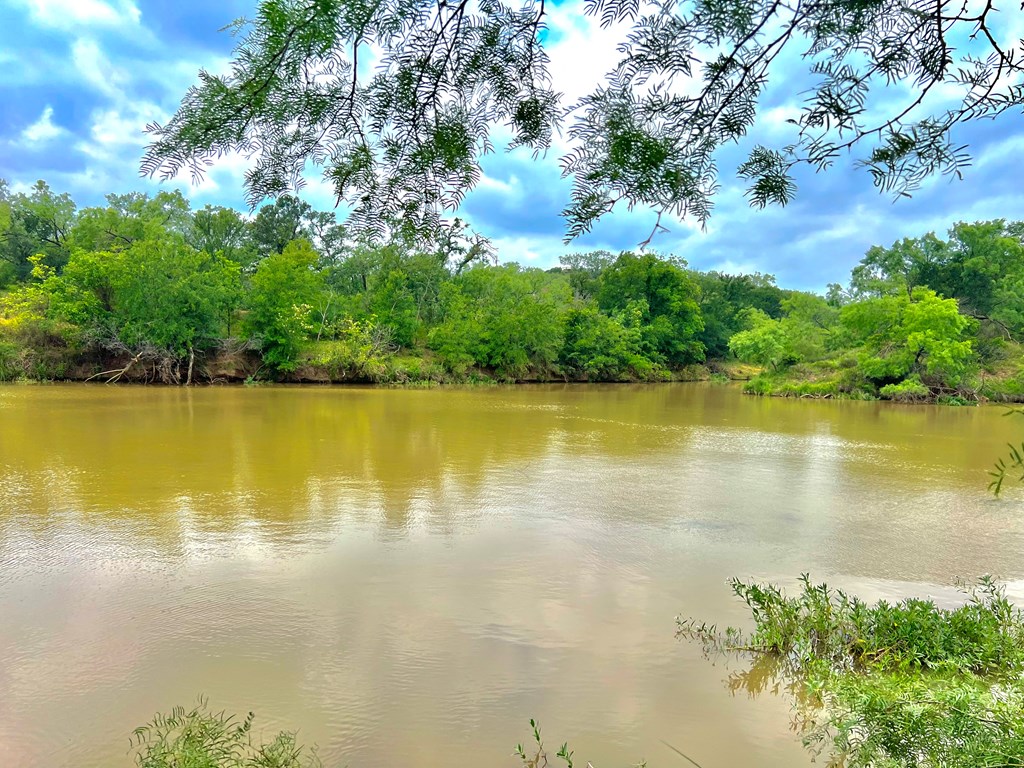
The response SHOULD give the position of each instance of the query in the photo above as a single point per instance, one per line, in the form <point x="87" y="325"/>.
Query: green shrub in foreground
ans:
<point x="198" y="738"/>
<point x="890" y="685"/>
<point x="985" y="636"/>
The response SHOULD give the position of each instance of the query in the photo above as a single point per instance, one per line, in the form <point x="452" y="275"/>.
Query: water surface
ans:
<point x="408" y="576"/>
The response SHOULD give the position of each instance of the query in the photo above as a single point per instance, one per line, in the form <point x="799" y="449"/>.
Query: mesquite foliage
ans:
<point x="397" y="100"/>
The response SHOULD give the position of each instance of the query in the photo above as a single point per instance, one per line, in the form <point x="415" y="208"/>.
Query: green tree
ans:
<point x="37" y="222"/>
<point x="129" y="218"/>
<point x="984" y="271"/>
<point x="603" y="348"/>
<point x="288" y="218"/>
<point x="584" y="271"/>
<point x="174" y="297"/>
<point x="393" y="304"/>
<point x="809" y="322"/>
<point x="155" y="292"/>
<point x="399" y="286"/>
<point x="223" y="231"/>
<point x="285" y="291"/>
<point x="722" y="301"/>
<point x="667" y="296"/>
<point x="765" y="342"/>
<point x="923" y="335"/>
<point x="506" y="318"/>
<point x="402" y="142"/>
<point x="981" y="265"/>
<point x="898" y="269"/>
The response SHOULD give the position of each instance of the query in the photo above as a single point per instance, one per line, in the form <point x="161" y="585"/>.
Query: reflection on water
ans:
<point x="408" y="577"/>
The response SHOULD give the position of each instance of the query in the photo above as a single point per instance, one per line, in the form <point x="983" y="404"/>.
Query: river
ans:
<point x="407" y="577"/>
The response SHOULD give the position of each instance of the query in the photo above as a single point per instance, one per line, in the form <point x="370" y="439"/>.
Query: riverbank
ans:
<point x="328" y="362"/>
<point x="320" y="363"/>
<point x="1001" y="380"/>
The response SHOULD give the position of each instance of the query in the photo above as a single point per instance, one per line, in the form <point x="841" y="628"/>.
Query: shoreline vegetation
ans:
<point x="904" y="684"/>
<point x="147" y="290"/>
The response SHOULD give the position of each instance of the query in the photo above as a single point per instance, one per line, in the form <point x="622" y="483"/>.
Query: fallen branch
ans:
<point x="119" y="373"/>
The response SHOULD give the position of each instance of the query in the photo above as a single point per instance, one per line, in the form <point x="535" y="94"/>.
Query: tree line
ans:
<point x="145" y="286"/>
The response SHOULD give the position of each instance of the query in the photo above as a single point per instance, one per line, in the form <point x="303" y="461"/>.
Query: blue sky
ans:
<point x="80" y="78"/>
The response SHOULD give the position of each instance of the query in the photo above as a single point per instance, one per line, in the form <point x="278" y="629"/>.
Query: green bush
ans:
<point x="983" y="636"/>
<point x="602" y="348"/>
<point x="910" y="390"/>
<point x="198" y="738"/>
<point x="10" y="363"/>
<point x="890" y="685"/>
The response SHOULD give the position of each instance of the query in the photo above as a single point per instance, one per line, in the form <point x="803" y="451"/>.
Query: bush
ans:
<point x="10" y="364"/>
<point x="361" y="351"/>
<point x="908" y="391"/>
<point x="891" y="685"/>
<point x="198" y="738"/>
<point x="602" y="348"/>
<point x="505" y="319"/>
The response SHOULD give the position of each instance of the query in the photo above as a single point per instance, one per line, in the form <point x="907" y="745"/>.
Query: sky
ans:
<point x="79" y="80"/>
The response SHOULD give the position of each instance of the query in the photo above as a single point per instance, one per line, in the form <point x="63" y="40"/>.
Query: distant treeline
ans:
<point x="149" y="289"/>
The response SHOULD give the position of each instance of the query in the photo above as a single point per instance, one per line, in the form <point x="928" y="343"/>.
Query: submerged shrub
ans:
<point x="891" y="685"/>
<point x="984" y="636"/>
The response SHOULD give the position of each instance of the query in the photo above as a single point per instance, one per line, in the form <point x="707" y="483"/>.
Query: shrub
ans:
<point x="891" y="685"/>
<point x="198" y="738"/>
<point x="10" y="364"/>
<point x="910" y="390"/>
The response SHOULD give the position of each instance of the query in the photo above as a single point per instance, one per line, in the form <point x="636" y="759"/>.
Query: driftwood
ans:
<point x="117" y="372"/>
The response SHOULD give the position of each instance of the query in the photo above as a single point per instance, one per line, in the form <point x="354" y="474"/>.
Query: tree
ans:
<point x="288" y="218"/>
<point x="285" y="290"/>
<point x="722" y="301"/>
<point x="504" y="318"/>
<point x="603" y="348"/>
<point x="223" y="231"/>
<point x="666" y="297"/>
<point x="898" y="269"/>
<point x="765" y="342"/>
<point x="922" y="335"/>
<point x="981" y="265"/>
<point x="129" y="218"/>
<point x="37" y="222"/>
<point x="402" y="142"/>
<point x="584" y="270"/>
<point x="156" y="292"/>
<point x="176" y="298"/>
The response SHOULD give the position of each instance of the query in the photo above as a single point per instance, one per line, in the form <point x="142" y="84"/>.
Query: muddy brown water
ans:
<point x="407" y="577"/>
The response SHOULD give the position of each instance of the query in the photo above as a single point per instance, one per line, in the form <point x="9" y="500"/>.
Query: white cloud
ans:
<point x="93" y="66"/>
<point x="732" y="267"/>
<point x="74" y="14"/>
<point x="527" y="250"/>
<point x="42" y="130"/>
<point x="777" y="118"/>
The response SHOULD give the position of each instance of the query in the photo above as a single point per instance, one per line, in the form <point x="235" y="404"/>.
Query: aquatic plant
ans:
<point x="888" y="685"/>
<point x="199" y="738"/>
